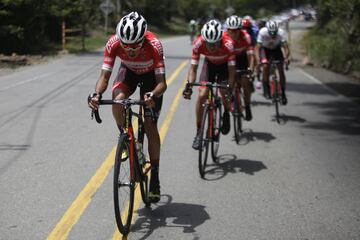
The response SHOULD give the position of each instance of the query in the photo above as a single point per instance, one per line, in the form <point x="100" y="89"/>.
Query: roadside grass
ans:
<point x="333" y="51"/>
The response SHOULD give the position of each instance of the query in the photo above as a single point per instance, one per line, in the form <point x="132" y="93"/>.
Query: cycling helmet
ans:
<point x="248" y="17"/>
<point x="233" y="22"/>
<point x="212" y="31"/>
<point x="272" y="27"/>
<point x="246" y="23"/>
<point x="131" y="28"/>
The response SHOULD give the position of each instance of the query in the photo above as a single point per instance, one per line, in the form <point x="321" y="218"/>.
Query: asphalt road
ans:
<point x="296" y="180"/>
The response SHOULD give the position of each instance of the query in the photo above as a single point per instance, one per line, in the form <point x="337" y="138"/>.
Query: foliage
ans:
<point x="28" y="26"/>
<point x="335" y="40"/>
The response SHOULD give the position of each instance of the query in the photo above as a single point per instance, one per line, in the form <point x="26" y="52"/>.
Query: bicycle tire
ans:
<point x="237" y="116"/>
<point x="276" y="100"/>
<point x="204" y="142"/>
<point x="144" y="182"/>
<point x="123" y="186"/>
<point x="216" y="129"/>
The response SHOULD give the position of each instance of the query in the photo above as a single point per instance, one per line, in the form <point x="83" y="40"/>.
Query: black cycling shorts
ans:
<point x="275" y="54"/>
<point x="214" y="72"/>
<point x="126" y="81"/>
<point x="242" y="62"/>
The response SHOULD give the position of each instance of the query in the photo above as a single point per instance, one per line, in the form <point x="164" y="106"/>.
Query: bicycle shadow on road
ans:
<point x="230" y="164"/>
<point x="341" y="117"/>
<point x="168" y="214"/>
<point x="288" y="118"/>
<point x="248" y="135"/>
<point x="267" y="103"/>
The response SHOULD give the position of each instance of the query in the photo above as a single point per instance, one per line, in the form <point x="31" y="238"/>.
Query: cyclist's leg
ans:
<point x="278" y="55"/>
<point x="222" y="72"/>
<point x="265" y="67"/>
<point x="124" y="85"/>
<point x="207" y="75"/>
<point x="152" y="133"/>
<point x="246" y="84"/>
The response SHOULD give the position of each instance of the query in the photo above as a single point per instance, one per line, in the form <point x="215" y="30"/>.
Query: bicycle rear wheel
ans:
<point x="204" y="141"/>
<point x="216" y="127"/>
<point x="237" y="116"/>
<point x="123" y="186"/>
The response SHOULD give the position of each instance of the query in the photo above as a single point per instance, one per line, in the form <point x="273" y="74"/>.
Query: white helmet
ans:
<point x="249" y="18"/>
<point x="233" y="22"/>
<point x="212" y="31"/>
<point x="131" y="28"/>
<point x="272" y="27"/>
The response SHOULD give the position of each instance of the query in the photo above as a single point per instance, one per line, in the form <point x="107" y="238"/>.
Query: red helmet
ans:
<point x="246" y="23"/>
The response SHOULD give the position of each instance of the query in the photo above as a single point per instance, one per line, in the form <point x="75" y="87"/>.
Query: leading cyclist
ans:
<point x="219" y="63"/>
<point x="142" y="62"/>
<point x="272" y="44"/>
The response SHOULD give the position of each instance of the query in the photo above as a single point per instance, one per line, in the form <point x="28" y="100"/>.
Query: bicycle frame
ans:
<point x="275" y="85"/>
<point x="138" y="172"/>
<point x="210" y="102"/>
<point x="208" y="124"/>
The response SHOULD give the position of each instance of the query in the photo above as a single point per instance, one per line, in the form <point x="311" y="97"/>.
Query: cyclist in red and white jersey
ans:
<point x="219" y="64"/>
<point x="272" y="44"/>
<point x="244" y="57"/>
<point x="142" y="63"/>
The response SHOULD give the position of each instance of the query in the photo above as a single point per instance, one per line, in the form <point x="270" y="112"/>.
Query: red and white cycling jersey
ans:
<point x="224" y="54"/>
<point x="151" y="56"/>
<point x="243" y="44"/>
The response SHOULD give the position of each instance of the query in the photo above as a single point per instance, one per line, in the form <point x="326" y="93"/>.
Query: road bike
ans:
<point x="275" y="89"/>
<point x="237" y="103"/>
<point x="211" y="123"/>
<point x="131" y="168"/>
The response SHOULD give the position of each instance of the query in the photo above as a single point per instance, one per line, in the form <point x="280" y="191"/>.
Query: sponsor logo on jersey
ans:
<point x="157" y="45"/>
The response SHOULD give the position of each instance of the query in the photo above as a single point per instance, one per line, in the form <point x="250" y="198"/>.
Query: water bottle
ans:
<point x="140" y="154"/>
<point x="258" y="85"/>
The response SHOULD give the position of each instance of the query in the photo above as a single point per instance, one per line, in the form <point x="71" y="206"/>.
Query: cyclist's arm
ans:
<point x="103" y="81"/>
<point x="191" y="77"/>
<point x="257" y="52"/>
<point x="161" y="86"/>
<point x="232" y="75"/>
<point x="286" y="50"/>
<point x="250" y="56"/>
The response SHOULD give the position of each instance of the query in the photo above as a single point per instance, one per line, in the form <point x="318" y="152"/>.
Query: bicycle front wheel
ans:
<point x="123" y="186"/>
<point x="204" y="141"/>
<point x="144" y="169"/>
<point x="237" y="116"/>
<point x="216" y="127"/>
<point x="276" y="99"/>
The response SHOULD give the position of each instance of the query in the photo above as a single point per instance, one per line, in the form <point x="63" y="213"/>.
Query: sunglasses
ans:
<point x="213" y="45"/>
<point x="232" y="30"/>
<point x="132" y="47"/>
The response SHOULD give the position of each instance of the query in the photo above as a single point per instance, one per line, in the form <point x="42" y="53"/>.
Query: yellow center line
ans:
<point x="79" y="205"/>
<point x="163" y="131"/>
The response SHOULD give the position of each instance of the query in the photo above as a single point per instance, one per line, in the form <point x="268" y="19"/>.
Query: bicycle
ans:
<point x="131" y="168"/>
<point x="275" y="89"/>
<point x="212" y="115"/>
<point x="237" y="104"/>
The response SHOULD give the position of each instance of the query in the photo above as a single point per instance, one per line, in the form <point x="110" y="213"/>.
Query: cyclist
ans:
<point x="272" y="44"/>
<point x="244" y="56"/>
<point x="192" y="29"/>
<point x="219" y="63"/>
<point x="250" y="28"/>
<point x="142" y="62"/>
